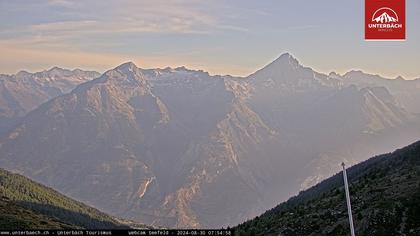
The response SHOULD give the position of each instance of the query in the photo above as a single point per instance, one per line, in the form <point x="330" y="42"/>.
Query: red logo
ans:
<point x="385" y="19"/>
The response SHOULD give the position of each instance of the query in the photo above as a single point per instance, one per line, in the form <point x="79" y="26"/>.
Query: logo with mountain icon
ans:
<point x="385" y="20"/>
<point x="385" y="15"/>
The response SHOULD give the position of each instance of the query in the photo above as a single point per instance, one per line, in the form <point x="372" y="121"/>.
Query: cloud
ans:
<point x="78" y="35"/>
<point x="102" y="18"/>
<point x="142" y="16"/>
<point x="88" y="25"/>
<point x="64" y="26"/>
<point x="60" y="3"/>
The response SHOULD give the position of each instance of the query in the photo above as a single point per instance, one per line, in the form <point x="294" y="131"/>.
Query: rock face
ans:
<point x="181" y="148"/>
<point x="25" y="91"/>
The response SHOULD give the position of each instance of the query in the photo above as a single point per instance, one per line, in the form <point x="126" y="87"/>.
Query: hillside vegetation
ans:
<point x="25" y="204"/>
<point x="385" y="196"/>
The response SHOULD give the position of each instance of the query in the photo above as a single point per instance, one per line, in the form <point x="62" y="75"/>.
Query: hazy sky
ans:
<point x="223" y="37"/>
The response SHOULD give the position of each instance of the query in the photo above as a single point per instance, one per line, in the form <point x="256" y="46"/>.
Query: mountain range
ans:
<point x="24" y="91"/>
<point x="181" y="148"/>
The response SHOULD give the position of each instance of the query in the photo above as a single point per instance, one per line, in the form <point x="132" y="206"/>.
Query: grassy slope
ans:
<point x="25" y="204"/>
<point x="385" y="195"/>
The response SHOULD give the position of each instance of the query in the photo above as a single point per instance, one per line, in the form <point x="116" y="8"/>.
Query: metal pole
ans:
<point x="346" y="186"/>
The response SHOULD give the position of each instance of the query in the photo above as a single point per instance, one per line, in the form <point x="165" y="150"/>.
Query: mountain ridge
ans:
<point x="159" y="145"/>
<point x="24" y="91"/>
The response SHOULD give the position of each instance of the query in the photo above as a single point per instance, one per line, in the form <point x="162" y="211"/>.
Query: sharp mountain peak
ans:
<point x="286" y="55"/>
<point x="286" y="58"/>
<point x="127" y="65"/>
<point x="128" y="68"/>
<point x="127" y="71"/>
<point x="283" y="62"/>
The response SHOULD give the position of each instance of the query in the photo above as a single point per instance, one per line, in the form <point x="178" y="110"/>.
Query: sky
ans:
<point x="234" y="37"/>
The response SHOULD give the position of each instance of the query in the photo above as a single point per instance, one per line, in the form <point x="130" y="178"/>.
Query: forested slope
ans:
<point x="25" y="204"/>
<point x="385" y="195"/>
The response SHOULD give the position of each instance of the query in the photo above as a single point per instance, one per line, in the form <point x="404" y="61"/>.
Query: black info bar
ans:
<point x="131" y="232"/>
